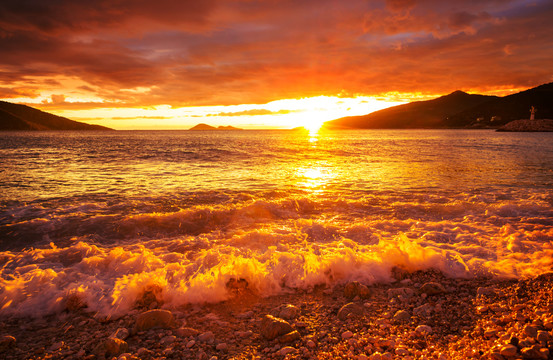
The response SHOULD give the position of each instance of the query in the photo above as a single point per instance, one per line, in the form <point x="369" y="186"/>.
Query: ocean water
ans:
<point x="105" y="218"/>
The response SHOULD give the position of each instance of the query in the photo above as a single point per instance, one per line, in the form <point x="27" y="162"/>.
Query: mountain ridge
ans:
<point x="14" y="117"/>
<point x="455" y="110"/>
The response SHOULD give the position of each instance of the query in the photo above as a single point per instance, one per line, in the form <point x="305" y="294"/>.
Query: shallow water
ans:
<point x="104" y="216"/>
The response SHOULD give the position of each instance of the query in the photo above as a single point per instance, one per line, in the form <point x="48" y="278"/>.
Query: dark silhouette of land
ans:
<point x="456" y="110"/>
<point x="204" y="127"/>
<point x="22" y="117"/>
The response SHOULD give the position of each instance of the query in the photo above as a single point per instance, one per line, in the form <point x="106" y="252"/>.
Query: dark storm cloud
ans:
<point x="53" y="16"/>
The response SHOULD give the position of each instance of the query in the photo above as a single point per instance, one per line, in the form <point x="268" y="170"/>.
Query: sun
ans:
<point x="313" y="123"/>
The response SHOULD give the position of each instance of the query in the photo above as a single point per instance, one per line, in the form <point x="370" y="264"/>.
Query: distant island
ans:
<point x="204" y="127"/>
<point x="457" y="110"/>
<point x="16" y="117"/>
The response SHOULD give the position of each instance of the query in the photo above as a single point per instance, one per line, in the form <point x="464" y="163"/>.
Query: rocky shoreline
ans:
<point x="422" y="315"/>
<point x="539" y="125"/>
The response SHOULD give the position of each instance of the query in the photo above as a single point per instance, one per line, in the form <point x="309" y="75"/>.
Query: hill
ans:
<point x="456" y="110"/>
<point x="22" y="117"/>
<point x="204" y="127"/>
<point x="509" y="108"/>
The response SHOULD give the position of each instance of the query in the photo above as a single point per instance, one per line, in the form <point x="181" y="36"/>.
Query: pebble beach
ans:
<point x="422" y="315"/>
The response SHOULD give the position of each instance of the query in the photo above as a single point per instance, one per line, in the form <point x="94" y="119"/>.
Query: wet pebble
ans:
<point x="6" y="342"/>
<point x="207" y="337"/>
<point x="347" y="334"/>
<point x="508" y="350"/>
<point x="287" y="350"/>
<point x="401" y="316"/>
<point x="432" y="288"/>
<point x="290" y="337"/>
<point x="272" y="327"/>
<point x="423" y="329"/>
<point x="222" y="347"/>
<point x="154" y="318"/>
<point x="349" y="310"/>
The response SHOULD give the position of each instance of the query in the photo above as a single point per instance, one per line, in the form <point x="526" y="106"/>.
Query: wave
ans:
<point x="106" y="254"/>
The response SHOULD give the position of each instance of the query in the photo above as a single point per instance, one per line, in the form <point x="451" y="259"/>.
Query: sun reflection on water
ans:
<point x="314" y="178"/>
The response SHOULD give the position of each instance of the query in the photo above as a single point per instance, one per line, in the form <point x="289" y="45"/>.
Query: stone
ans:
<point x="543" y="336"/>
<point x="245" y="315"/>
<point x="354" y="289"/>
<point x="347" y="334"/>
<point x="143" y="352"/>
<point x="168" y="340"/>
<point x="423" y="311"/>
<point x="56" y="346"/>
<point x="207" y="337"/>
<point x="154" y="318"/>
<point x="121" y="334"/>
<point x="186" y="332"/>
<point x="290" y="337"/>
<point x="532" y="353"/>
<point x="482" y="309"/>
<point x="401" y="351"/>
<point x="402" y="316"/>
<point x="349" y="310"/>
<point x="190" y="344"/>
<point x="244" y="334"/>
<point x="403" y="293"/>
<point x="289" y="312"/>
<point x="311" y="344"/>
<point x="273" y="327"/>
<point x="531" y="331"/>
<point x="486" y="291"/>
<point x="222" y="347"/>
<point x="6" y="342"/>
<point x="111" y="347"/>
<point x="287" y="350"/>
<point x="423" y="329"/>
<point x="508" y="350"/>
<point x="432" y="288"/>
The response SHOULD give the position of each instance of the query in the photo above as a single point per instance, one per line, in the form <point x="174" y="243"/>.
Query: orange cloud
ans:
<point x="233" y="52"/>
<point x="254" y="112"/>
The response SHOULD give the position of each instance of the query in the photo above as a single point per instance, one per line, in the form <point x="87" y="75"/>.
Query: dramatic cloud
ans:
<point x="186" y="53"/>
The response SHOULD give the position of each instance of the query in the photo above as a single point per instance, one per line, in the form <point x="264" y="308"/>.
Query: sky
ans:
<point x="136" y="64"/>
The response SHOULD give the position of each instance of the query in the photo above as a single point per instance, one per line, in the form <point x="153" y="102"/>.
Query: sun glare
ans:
<point x="309" y="113"/>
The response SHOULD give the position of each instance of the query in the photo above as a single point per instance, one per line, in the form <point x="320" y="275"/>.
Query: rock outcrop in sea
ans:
<point x="526" y="125"/>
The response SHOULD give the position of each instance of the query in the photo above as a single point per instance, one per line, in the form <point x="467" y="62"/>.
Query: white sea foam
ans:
<point x="275" y="245"/>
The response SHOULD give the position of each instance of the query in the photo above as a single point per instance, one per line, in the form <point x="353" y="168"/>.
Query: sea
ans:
<point x="107" y="217"/>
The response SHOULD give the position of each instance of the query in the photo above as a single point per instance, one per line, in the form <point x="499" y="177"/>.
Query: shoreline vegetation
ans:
<point x="421" y="315"/>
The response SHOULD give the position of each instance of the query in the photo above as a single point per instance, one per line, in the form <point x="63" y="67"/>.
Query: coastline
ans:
<point x="480" y="318"/>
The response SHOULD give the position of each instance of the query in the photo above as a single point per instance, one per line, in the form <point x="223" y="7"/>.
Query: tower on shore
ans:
<point x="532" y="112"/>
